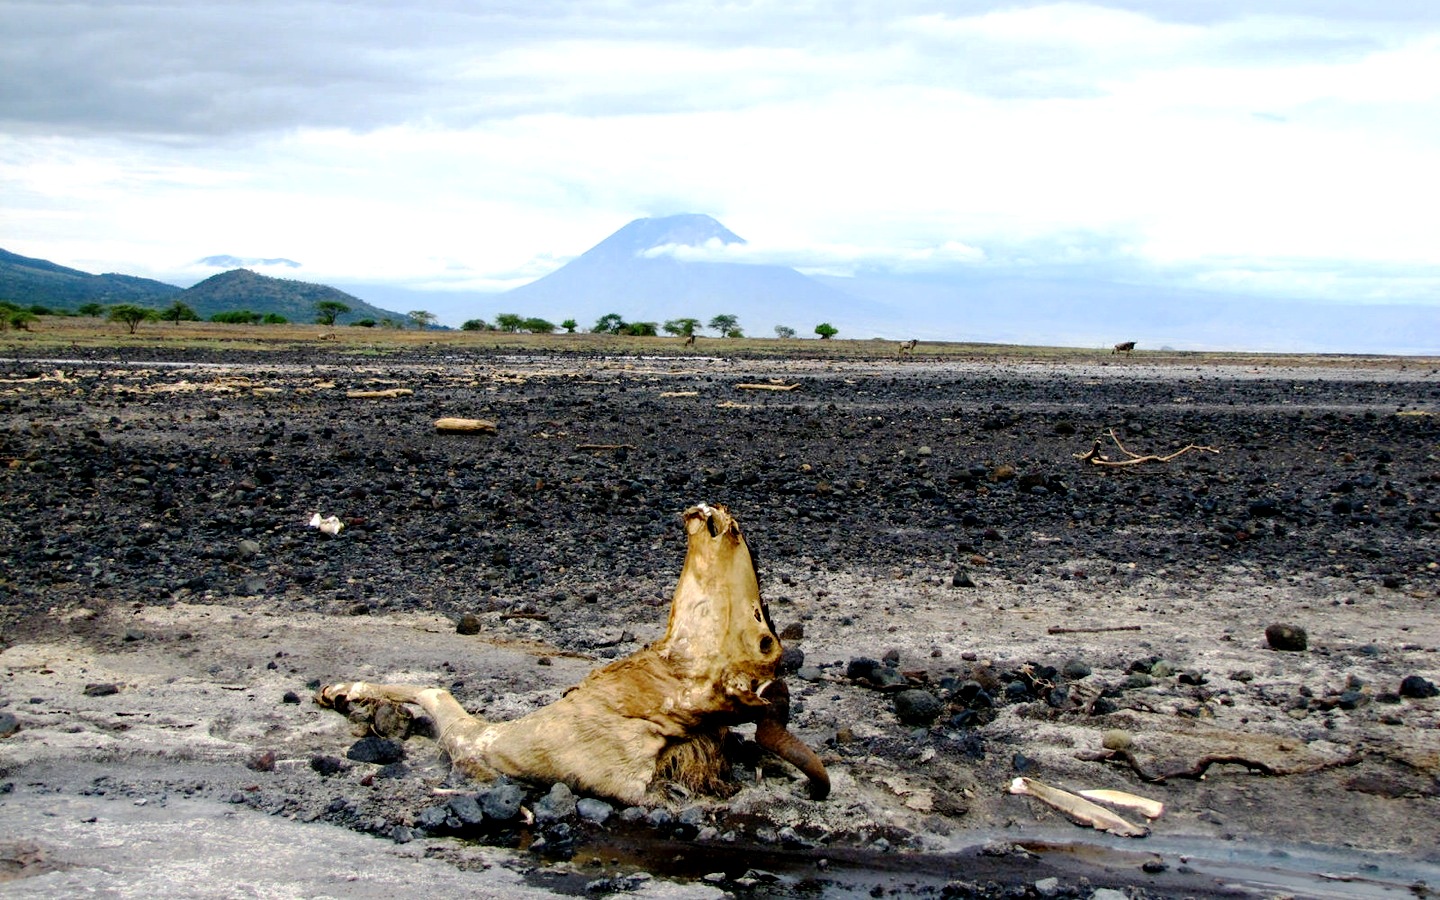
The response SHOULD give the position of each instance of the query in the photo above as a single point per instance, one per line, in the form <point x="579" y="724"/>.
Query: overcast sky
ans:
<point x="1290" y="148"/>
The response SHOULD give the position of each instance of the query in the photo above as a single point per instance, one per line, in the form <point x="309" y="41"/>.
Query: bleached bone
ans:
<point x="1078" y="809"/>
<point x="655" y="717"/>
<point x="1150" y="809"/>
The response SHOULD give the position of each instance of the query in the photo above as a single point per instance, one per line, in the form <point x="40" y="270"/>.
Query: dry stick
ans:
<point x="1060" y="629"/>
<point x="604" y="446"/>
<point x="766" y="387"/>
<point x="1135" y="459"/>
<point x="539" y="617"/>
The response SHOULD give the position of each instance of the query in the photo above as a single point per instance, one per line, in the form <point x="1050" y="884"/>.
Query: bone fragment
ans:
<point x="679" y="393"/>
<point x="452" y="425"/>
<point x="766" y="387"/>
<point x="1150" y="809"/>
<point x="1078" y="809"/>
<point x="330" y="525"/>
<point x="387" y="394"/>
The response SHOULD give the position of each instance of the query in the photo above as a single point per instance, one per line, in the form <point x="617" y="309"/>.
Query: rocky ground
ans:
<point x="963" y="599"/>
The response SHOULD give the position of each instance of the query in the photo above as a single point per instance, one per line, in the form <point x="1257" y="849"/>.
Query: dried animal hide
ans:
<point x="658" y="716"/>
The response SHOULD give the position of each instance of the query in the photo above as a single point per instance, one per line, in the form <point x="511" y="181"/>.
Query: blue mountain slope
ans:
<point x="618" y="275"/>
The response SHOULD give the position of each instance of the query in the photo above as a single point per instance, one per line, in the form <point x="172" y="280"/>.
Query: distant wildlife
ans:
<point x="906" y="347"/>
<point x="690" y="341"/>
<point x="1126" y="348"/>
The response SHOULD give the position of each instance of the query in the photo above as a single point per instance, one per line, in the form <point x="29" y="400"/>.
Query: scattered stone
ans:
<point x="1417" y="688"/>
<point x="289" y="697"/>
<point x="917" y="707"/>
<point x="466" y="808"/>
<point x="468" y="624"/>
<point x="8" y="724"/>
<point x="861" y="667"/>
<point x="261" y="762"/>
<point x="247" y="549"/>
<point x="1286" y="637"/>
<point x="593" y="811"/>
<point x="793" y="632"/>
<point x="962" y="579"/>
<point x="326" y="765"/>
<point x="378" y="750"/>
<point x="103" y="689"/>
<point x="558" y="804"/>
<point x="502" y="801"/>
<point x="1075" y="669"/>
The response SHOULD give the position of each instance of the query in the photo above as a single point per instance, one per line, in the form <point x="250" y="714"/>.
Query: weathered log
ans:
<point x="658" y="716"/>
<point x="453" y="425"/>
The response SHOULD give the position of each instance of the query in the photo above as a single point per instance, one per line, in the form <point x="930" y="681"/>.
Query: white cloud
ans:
<point x="478" y="146"/>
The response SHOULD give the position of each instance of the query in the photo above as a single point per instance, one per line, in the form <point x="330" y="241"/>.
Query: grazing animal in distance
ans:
<point x="658" y="717"/>
<point x="690" y="340"/>
<point x="1126" y="347"/>
<point x="906" y="347"/>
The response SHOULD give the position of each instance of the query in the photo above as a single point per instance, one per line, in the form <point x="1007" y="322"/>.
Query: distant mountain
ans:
<point x="632" y="273"/>
<point x="29" y="282"/>
<point x="225" y="261"/>
<point x="295" y="300"/>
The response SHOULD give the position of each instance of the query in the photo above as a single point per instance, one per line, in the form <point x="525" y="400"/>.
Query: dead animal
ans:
<point x="661" y="716"/>
<point x="1126" y="347"/>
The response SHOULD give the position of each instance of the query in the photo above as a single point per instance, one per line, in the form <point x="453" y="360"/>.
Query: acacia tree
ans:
<point x="727" y="325"/>
<point x="681" y="327"/>
<point x="131" y="315"/>
<point x="640" y="329"/>
<point x="537" y="325"/>
<point x="178" y="312"/>
<point x="421" y="318"/>
<point x="511" y="322"/>
<point x="784" y="332"/>
<point x="610" y="323"/>
<point x="569" y="325"/>
<point x="329" y="311"/>
<point x="826" y="331"/>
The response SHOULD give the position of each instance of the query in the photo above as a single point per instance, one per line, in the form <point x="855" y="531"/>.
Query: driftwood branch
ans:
<point x="1134" y="459"/>
<point x="1198" y="769"/>
<point x="1060" y="629"/>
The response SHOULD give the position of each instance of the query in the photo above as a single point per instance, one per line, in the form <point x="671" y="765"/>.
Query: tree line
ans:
<point x="328" y="311"/>
<point x="132" y="316"/>
<point x="613" y="323"/>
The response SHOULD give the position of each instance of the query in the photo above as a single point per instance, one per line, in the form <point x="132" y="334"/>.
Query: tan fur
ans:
<point x="658" y="715"/>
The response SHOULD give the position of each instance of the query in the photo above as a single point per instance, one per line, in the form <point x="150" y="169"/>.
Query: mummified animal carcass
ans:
<point x="661" y="715"/>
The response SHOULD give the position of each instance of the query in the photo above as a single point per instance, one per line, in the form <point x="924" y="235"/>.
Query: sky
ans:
<point x="1288" y="148"/>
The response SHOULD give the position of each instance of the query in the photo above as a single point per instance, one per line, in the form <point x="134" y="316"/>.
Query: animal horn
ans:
<point x="771" y="733"/>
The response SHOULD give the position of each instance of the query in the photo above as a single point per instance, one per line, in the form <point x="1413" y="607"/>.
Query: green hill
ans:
<point x="36" y="282"/>
<point x="29" y="282"/>
<point x="295" y="300"/>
